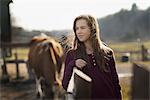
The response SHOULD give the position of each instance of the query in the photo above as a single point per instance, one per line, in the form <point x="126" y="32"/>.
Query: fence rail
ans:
<point x="14" y="44"/>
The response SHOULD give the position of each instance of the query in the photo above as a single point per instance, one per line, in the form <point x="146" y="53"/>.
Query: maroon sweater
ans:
<point x="105" y="85"/>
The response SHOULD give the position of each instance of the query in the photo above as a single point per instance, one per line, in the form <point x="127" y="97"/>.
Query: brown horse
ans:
<point x="46" y="58"/>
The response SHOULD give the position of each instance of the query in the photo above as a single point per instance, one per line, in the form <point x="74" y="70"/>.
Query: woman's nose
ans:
<point x="78" y="31"/>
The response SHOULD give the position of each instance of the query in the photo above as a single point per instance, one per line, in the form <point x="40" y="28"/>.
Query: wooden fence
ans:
<point x="141" y="82"/>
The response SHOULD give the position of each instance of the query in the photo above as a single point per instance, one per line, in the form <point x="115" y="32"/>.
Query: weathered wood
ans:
<point x="144" y="53"/>
<point x="140" y="82"/>
<point x="5" y="21"/>
<point x="12" y="45"/>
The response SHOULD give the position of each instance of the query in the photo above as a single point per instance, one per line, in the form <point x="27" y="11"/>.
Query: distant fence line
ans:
<point x="6" y="51"/>
<point x="7" y="45"/>
<point x="142" y="54"/>
<point x="138" y="55"/>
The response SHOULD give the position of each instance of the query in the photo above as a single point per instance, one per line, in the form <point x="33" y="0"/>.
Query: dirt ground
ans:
<point x="17" y="89"/>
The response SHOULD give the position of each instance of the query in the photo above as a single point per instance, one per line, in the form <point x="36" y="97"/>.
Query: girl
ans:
<point x="94" y="58"/>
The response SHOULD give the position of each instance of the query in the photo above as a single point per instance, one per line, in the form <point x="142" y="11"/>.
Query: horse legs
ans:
<point x="44" y="89"/>
<point x="39" y="91"/>
<point x="47" y="89"/>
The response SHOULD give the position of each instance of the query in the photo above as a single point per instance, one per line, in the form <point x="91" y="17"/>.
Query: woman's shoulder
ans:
<point x="70" y="52"/>
<point x="70" y="55"/>
<point x="107" y="50"/>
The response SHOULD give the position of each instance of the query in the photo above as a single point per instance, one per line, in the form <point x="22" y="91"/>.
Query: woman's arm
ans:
<point x="115" y="78"/>
<point x="69" y="64"/>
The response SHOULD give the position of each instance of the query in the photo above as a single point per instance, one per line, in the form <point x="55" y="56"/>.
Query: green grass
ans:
<point x="129" y="46"/>
<point x="147" y="44"/>
<point x="21" y="52"/>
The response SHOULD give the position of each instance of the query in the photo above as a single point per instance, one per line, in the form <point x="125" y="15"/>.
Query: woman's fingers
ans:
<point x="80" y="63"/>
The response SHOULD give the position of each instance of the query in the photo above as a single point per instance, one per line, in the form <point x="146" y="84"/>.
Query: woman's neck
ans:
<point x="88" y="46"/>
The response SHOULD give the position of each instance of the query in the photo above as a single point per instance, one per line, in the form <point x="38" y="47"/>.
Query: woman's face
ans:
<point x="82" y="30"/>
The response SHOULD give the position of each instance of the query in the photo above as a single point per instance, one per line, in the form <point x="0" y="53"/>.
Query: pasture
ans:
<point x="25" y="91"/>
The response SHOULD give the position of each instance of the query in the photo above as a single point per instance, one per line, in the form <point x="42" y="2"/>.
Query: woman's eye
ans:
<point x="77" y="28"/>
<point x="83" y="27"/>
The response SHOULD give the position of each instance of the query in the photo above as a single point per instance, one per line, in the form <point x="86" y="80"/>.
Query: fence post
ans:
<point x="5" y="77"/>
<point x="140" y="82"/>
<point x="144" y="53"/>
<point x="5" y="34"/>
<point x="17" y="66"/>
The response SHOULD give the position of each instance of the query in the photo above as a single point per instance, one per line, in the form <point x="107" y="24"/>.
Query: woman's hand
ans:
<point x="80" y="63"/>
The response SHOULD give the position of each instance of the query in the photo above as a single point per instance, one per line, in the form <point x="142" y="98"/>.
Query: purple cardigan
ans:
<point x="105" y="85"/>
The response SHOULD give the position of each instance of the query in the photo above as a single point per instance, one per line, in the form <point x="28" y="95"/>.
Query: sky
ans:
<point x="59" y="14"/>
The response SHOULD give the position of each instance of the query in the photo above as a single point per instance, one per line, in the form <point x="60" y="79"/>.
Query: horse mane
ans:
<point x="44" y="39"/>
<point x="39" y="38"/>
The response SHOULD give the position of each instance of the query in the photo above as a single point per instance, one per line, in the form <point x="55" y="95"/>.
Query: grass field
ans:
<point x="130" y="46"/>
<point x="122" y="48"/>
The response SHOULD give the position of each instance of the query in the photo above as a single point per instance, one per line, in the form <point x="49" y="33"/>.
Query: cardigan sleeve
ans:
<point x="115" y="78"/>
<point x="69" y="64"/>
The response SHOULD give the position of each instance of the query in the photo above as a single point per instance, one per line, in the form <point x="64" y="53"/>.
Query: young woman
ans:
<point x="93" y="57"/>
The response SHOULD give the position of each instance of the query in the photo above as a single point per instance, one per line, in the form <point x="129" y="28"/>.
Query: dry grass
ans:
<point x="11" y="69"/>
<point x="126" y="88"/>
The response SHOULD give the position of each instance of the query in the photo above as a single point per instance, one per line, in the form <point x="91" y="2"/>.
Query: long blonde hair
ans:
<point x="101" y="52"/>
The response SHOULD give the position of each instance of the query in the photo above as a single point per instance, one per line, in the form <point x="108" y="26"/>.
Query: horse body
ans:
<point x="46" y="58"/>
